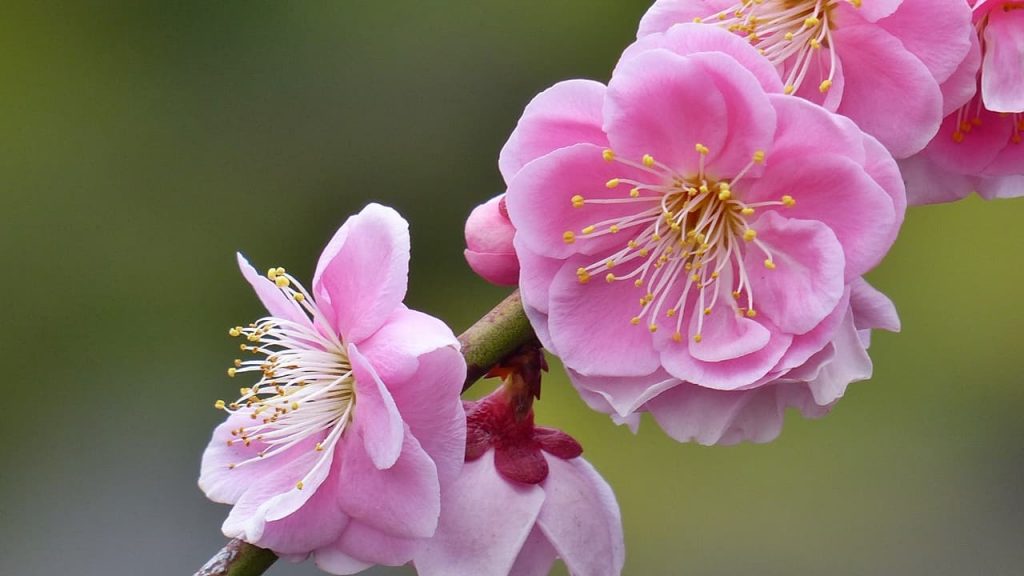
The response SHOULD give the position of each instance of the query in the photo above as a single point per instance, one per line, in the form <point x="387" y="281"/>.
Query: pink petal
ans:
<point x="362" y="543"/>
<point x="889" y="93"/>
<point x="395" y="348"/>
<point x="223" y="484"/>
<point x="1001" y="187"/>
<point x="273" y="299"/>
<point x="376" y="416"/>
<point x="1002" y="70"/>
<point x="850" y="364"/>
<point x="937" y="33"/>
<point x="818" y="72"/>
<point x="599" y="403"/>
<point x="872" y="309"/>
<point x="430" y="405"/>
<point x="870" y="11"/>
<point x="581" y="519"/>
<point x="666" y="13"/>
<point x="691" y="413"/>
<point x="810" y="343"/>
<point x="652" y="108"/>
<point x="540" y="203"/>
<point x="726" y="333"/>
<point x="590" y="325"/>
<point x="927" y="183"/>
<point x="402" y="501"/>
<point x="332" y="560"/>
<point x="535" y="276"/>
<point x="838" y="193"/>
<point x="489" y="249"/>
<point x="567" y="113"/>
<point x="624" y="395"/>
<point x="537" y="556"/>
<point x="362" y="274"/>
<point x="980" y="146"/>
<point x="728" y="374"/>
<point x="804" y="129"/>
<point x="484" y="524"/>
<point x="498" y="269"/>
<point x="807" y="282"/>
<point x="689" y="38"/>
<point x="317" y="523"/>
<point x="879" y="164"/>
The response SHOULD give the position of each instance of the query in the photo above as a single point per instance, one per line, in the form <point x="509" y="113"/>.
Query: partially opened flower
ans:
<point x="354" y="423"/>
<point x="979" y="146"/>
<point x="524" y="499"/>
<point x="703" y="229"/>
<point x="489" y="249"/>
<point x="879" y="63"/>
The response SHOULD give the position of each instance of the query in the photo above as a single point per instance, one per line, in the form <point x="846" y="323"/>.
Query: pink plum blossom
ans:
<point x="524" y="498"/>
<point x="979" y="146"/>
<point x="690" y="231"/>
<point x="341" y="448"/>
<point x="489" y="249"/>
<point x="878" y="62"/>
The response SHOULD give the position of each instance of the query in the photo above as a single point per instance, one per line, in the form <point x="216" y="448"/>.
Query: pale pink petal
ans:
<point x="728" y="374"/>
<point x="889" y="93"/>
<point x="879" y="164"/>
<point x="962" y="84"/>
<point x="590" y="325"/>
<point x="317" y="523"/>
<point x="581" y="519"/>
<point x="489" y="250"/>
<point x="217" y="479"/>
<point x="840" y="194"/>
<point x="726" y="333"/>
<point x="332" y="560"/>
<point x="872" y="309"/>
<point x="666" y="13"/>
<point x="376" y="417"/>
<point x="540" y="202"/>
<point x="567" y="113"/>
<point x="624" y="395"/>
<point x="691" y="413"/>
<point x="690" y="38"/>
<point x="365" y="544"/>
<point x="599" y="403"/>
<point x="429" y="402"/>
<point x="927" y="183"/>
<point x="1001" y="187"/>
<point x="821" y="68"/>
<point x="484" y="524"/>
<point x="362" y="274"/>
<point x="405" y="336"/>
<point x="273" y="299"/>
<point x="498" y="269"/>
<point x="535" y="277"/>
<point x="937" y="33"/>
<point x="536" y="557"/>
<point x="402" y="501"/>
<point x="850" y="364"/>
<point x="806" y="345"/>
<point x="1002" y="70"/>
<point x="1009" y="161"/>
<point x="652" y="108"/>
<point x="807" y="282"/>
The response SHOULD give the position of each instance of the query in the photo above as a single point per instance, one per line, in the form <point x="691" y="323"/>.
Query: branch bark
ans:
<point x="499" y="334"/>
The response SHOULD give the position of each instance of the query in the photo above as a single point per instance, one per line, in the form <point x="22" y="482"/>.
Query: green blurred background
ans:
<point x="142" y="144"/>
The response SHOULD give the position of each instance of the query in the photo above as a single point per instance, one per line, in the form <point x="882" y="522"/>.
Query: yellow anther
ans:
<point x="788" y="89"/>
<point x="653" y="328"/>
<point x="219" y="405"/>
<point x="824" y="86"/>
<point x="282" y="281"/>
<point x="815" y="43"/>
<point x="811" y="21"/>
<point x="788" y="36"/>
<point x="609" y="277"/>
<point x="958" y="136"/>
<point x="587" y="230"/>
<point x="631" y="244"/>
<point x="299" y="485"/>
<point x="299" y="297"/>
<point x="272" y="273"/>
<point x="613" y="229"/>
<point x="319" y="447"/>
<point x="231" y="466"/>
<point x="788" y="200"/>
<point x="769" y="264"/>
<point x="656" y="237"/>
<point x="856" y="3"/>
<point x="244" y="391"/>
<point x="584" y="277"/>
<point x="671" y="312"/>
<point x="238" y="362"/>
<point x="231" y="372"/>
<point x="736" y="294"/>
<point x="702" y="149"/>
<point x="749" y="234"/>
<point x="608" y="155"/>
<point x="697" y="20"/>
<point x="236" y="332"/>
<point x="704" y="188"/>
<point x="568" y="237"/>
<point x="697" y="338"/>
<point x="612" y="183"/>
<point x="714" y="274"/>
<point x="747" y="211"/>
<point x="695" y="277"/>
<point x="643" y="252"/>
<point x="707" y="311"/>
<point x="634" y="193"/>
<point x="295" y="405"/>
<point x="634" y="320"/>
<point x="677" y="337"/>
<point x="577" y="201"/>
<point x="725" y="194"/>
<point x="751" y="313"/>
<point x="648" y="160"/>
<point x="759" y="157"/>
<point x="609" y="263"/>
<point x="638" y="283"/>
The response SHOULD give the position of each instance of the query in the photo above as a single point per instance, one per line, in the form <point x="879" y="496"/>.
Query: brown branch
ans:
<point x="500" y="333"/>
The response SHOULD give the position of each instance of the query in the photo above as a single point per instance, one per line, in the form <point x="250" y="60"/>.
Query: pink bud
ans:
<point x="489" y="250"/>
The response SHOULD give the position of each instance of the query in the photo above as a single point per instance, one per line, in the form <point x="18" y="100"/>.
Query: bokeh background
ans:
<point x="142" y="144"/>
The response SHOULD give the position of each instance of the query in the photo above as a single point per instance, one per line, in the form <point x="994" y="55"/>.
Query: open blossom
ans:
<point x="354" y="423"/>
<point x="489" y="249"/>
<point x="878" y="62"/>
<point x="710" y="238"/>
<point x="524" y="499"/>
<point x="979" y="146"/>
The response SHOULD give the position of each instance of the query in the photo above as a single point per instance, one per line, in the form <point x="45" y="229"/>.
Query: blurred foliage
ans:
<point x="141" y="144"/>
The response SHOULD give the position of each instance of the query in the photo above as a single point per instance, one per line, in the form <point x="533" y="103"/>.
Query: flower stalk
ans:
<point x="499" y="334"/>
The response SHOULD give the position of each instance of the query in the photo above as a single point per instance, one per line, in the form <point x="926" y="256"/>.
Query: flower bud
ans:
<point x="489" y="250"/>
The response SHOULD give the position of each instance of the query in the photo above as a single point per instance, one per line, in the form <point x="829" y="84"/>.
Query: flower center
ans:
<point x="306" y="385"/>
<point x="790" y="33"/>
<point x="685" y="231"/>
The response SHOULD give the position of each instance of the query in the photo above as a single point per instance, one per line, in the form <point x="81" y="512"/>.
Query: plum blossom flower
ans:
<point x="489" y="249"/>
<point x="979" y="146"/>
<point x="524" y="498"/>
<point x="341" y="447"/>
<point x="711" y="239"/>
<point x="878" y="62"/>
